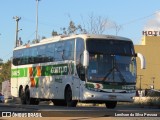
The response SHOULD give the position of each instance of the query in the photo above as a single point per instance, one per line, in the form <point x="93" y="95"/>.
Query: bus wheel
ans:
<point x="68" y="98"/>
<point x="59" y="102"/>
<point x="29" y="100"/>
<point x="27" y="96"/>
<point x="111" y="104"/>
<point x="22" y="96"/>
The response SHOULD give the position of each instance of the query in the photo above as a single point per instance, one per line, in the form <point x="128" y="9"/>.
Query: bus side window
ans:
<point x="50" y="52"/>
<point x="16" y="57"/>
<point x="33" y="55"/>
<point x="68" y="50"/>
<point x="59" y="46"/>
<point x="41" y="54"/>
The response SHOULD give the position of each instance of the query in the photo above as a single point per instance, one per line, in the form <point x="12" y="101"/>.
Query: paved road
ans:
<point x="121" y="110"/>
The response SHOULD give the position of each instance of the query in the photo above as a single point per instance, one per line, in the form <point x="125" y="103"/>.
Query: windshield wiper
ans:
<point x="120" y="74"/>
<point x="112" y="70"/>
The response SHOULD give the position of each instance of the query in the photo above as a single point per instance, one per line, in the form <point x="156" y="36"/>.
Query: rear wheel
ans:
<point x="29" y="100"/>
<point x="68" y="98"/>
<point x="27" y="96"/>
<point x="111" y="104"/>
<point x="22" y="96"/>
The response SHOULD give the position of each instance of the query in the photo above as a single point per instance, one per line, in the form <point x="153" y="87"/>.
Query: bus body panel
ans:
<point x="49" y="80"/>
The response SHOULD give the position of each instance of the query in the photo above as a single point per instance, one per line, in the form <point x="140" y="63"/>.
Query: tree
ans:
<point x="54" y="33"/>
<point x="1" y="61"/>
<point x="43" y="37"/>
<point x="95" y="25"/>
<point x="35" y="41"/>
<point x="5" y="73"/>
<point x="73" y="29"/>
<point x="116" y="27"/>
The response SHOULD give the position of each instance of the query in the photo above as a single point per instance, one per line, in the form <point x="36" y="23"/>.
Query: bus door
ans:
<point x="76" y="87"/>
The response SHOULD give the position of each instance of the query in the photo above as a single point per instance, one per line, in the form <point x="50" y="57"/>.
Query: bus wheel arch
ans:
<point x="22" y="95"/>
<point x="20" y="90"/>
<point x="28" y="99"/>
<point x="68" y="97"/>
<point x="27" y="95"/>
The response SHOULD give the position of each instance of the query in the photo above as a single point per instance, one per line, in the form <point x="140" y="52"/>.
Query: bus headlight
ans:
<point x="87" y="94"/>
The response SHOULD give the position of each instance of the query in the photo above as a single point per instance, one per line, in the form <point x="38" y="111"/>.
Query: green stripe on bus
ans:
<point x="62" y="69"/>
<point x="20" y="72"/>
<point x="104" y="86"/>
<point x="50" y="70"/>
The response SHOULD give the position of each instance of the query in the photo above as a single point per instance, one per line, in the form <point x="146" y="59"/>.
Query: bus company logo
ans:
<point x="59" y="69"/>
<point x="128" y="87"/>
<point x="62" y="69"/>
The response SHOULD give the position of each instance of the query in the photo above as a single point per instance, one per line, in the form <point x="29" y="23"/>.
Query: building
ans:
<point x="149" y="77"/>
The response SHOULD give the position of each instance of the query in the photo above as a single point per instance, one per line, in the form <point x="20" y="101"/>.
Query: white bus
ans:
<point x="76" y="68"/>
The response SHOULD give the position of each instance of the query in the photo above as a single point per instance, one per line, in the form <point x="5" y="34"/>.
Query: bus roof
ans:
<point x="66" y="37"/>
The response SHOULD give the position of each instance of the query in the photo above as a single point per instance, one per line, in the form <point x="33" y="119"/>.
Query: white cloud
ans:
<point x="154" y="23"/>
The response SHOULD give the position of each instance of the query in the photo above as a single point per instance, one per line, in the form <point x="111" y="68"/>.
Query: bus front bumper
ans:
<point x="103" y="96"/>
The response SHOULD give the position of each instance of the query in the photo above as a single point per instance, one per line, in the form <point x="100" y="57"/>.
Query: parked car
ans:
<point x="1" y="98"/>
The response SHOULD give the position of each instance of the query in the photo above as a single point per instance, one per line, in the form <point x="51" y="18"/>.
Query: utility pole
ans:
<point x="153" y="79"/>
<point x="140" y="82"/>
<point x="17" y="20"/>
<point x="37" y="1"/>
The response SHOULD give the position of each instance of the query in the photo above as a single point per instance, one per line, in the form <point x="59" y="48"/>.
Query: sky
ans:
<point x="134" y="16"/>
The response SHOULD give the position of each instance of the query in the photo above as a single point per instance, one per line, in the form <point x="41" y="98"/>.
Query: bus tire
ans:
<point x="22" y="96"/>
<point x="68" y="98"/>
<point x="29" y="100"/>
<point x="111" y="104"/>
<point x="27" y="96"/>
<point x="59" y="102"/>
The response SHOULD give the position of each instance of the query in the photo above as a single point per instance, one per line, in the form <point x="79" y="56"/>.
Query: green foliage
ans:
<point x="73" y="29"/>
<point x="35" y="41"/>
<point x="5" y="72"/>
<point x="54" y="33"/>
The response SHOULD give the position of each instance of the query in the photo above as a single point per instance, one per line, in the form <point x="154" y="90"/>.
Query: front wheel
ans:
<point x="111" y="104"/>
<point x="59" y="102"/>
<point x="68" y="98"/>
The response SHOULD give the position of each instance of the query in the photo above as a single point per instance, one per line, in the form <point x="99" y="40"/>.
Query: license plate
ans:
<point x="112" y="97"/>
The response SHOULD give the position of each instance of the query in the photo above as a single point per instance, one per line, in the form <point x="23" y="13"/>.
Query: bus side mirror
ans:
<point x="142" y="59"/>
<point x="85" y="58"/>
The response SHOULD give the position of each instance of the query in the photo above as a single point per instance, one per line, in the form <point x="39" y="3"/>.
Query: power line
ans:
<point x="141" y="18"/>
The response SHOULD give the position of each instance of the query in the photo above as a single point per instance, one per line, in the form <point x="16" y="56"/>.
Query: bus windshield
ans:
<point x="111" y="61"/>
